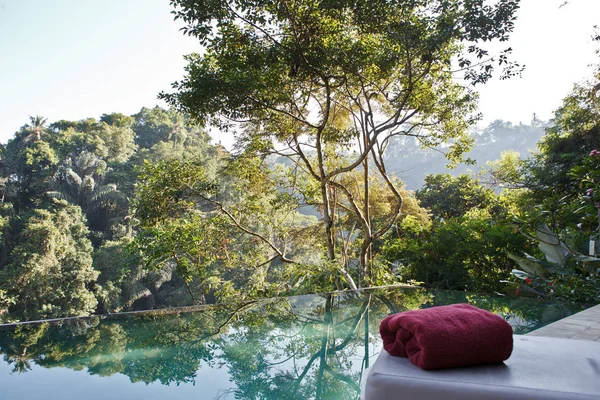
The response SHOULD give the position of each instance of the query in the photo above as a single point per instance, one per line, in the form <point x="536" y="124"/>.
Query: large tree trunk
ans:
<point x="364" y="276"/>
<point x="330" y="235"/>
<point x="365" y="261"/>
<point x="328" y="220"/>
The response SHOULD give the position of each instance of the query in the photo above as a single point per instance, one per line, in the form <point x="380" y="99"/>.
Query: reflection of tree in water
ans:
<point x="309" y="357"/>
<point x="320" y="351"/>
<point x="300" y="347"/>
<point x="16" y="351"/>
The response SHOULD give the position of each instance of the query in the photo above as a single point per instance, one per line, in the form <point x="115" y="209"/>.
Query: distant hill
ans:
<point x="406" y="158"/>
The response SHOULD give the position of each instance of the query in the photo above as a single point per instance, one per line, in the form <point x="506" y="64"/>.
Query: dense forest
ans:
<point x="337" y="179"/>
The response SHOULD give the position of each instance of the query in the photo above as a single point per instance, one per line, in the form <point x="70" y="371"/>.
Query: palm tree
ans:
<point x="21" y="362"/>
<point x="79" y="181"/>
<point x="35" y="129"/>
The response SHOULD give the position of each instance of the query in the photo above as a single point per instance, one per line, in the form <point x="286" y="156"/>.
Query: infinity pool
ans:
<point x="303" y="347"/>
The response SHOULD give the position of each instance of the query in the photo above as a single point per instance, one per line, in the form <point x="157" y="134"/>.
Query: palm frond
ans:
<point x="88" y="183"/>
<point x="85" y="160"/>
<point x="55" y="194"/>
<point x="72" y="178"/>
<point x="108" y="193"/>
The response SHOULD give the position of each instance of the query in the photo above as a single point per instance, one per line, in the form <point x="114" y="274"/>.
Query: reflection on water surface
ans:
<point x="304" y="347"/>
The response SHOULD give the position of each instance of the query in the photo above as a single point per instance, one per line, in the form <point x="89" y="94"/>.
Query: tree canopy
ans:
<point x="312" y="79"/>
<point x="327" y="102"/>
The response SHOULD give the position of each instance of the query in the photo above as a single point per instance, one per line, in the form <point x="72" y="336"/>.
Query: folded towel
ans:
<point x="447" y="336"/>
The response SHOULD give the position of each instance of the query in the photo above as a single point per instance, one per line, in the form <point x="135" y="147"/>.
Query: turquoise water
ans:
<point x="303" y="347"/>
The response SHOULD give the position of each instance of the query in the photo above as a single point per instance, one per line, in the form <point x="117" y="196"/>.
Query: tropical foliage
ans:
<point x="327" y="102"/>
<point x="312" y="80"/>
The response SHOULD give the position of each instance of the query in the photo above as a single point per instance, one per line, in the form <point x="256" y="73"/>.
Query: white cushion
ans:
<point x="539" y="368"/>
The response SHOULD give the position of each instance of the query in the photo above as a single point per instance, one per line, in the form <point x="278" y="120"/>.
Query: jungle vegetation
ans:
<point x="329" y="102"/>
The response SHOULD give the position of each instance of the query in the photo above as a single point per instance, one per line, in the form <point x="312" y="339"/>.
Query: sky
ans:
<point x="74" y="59"/>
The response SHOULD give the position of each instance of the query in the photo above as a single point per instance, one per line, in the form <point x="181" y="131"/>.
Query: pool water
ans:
<point x="302" y="347"/>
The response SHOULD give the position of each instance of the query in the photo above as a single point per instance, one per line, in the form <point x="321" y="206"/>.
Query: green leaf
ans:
<point x="529" y="265"/>
<point x="528" y="291"/>
<point x="555" y="250"/>
<point x="520" y="274"/>
<point x="586" y="259"/>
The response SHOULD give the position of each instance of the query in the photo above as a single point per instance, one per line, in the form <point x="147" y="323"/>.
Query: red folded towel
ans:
<point x="447" y="336"/>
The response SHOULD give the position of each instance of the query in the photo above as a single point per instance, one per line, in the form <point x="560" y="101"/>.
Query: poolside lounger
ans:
<point x="539" y="368"/>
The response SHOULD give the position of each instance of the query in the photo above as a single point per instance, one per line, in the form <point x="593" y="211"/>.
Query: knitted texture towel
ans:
<point x="447" y="336"/>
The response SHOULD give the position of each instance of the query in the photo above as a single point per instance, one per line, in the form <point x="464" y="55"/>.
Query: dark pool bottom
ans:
<point x="303" y="347"/>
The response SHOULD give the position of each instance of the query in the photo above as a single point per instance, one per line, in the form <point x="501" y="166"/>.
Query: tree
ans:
<point x="315" y="78"/>
<point x="164" y="135"/>
<point x="466" y="246"/>
<point x="30" y="168"/>
<point x="5" y="303"/>
<point x="505" y="172"/>
<point x="118" y="142"/>
<point x="80" y="181"/>
<point x="172" y="228"/>
<point x="154" y="125"/>
<point x="382" y="209"/>
<point x="36" y="128"/>
<point x="449" y="197"/>
<point x="469" y="252"/>
<point x="563" y="186"/>
<point x="82" y="162"/>
<point x="118" y="120"/>
<point x="73" y="138"/>
<point x="219" y="244"/>
<point x="111" y="138"/>
<point x="51" y="272"/>
<point x="574" y="133"/>
<point x="123" y="283"/>
<point x="558" y="176"/>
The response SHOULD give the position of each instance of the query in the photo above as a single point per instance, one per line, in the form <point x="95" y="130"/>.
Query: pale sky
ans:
<point x="555" y="45"/>
<point x="73" y="59"/>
